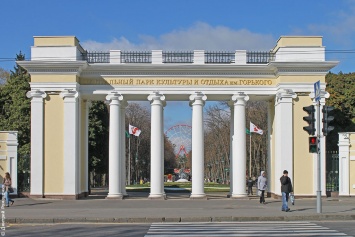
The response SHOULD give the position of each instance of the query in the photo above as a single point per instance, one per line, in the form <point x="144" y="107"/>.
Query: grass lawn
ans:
<point x="180" y="187"/>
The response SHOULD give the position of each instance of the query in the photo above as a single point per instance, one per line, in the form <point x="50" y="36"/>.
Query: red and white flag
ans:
<point x="134" y="130"/>
<point x="254" y="128"/>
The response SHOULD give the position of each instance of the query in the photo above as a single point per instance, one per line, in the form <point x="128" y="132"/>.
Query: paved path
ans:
<point x="177" y="208"/>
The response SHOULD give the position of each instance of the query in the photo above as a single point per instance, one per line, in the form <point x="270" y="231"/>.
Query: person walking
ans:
<point x="7" y="183"/>
<point x="286" y="189"/>
<point x="262" y="186"/>
<point x="250" y="184"/>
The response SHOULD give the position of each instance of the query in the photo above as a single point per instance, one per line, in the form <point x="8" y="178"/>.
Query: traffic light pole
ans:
<point x="319" y="188"/>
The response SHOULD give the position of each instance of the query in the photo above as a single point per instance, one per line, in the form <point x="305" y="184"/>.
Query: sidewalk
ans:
<point x="177" y="208"/>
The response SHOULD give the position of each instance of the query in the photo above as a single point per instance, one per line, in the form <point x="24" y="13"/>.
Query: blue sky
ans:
<point x="178" y="24"/>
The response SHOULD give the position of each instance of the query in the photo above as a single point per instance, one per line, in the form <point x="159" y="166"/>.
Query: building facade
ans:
<point x="65" y="78"/>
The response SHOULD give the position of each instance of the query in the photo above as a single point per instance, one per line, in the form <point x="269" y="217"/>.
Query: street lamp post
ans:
<point x="223" y="173"/>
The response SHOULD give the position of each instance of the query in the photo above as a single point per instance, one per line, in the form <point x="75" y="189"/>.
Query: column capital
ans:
<point x="240" y="98"/>
<point x="323" y="96"/>
<point x="114" y="97"/>
<point x="69" y="93"/>
<point x="285" y="96"/>
<point x="37" y="94"/>
<point x="344" y="139"/>
<point x="197" y="98"/>
<point x="157" y="99"/>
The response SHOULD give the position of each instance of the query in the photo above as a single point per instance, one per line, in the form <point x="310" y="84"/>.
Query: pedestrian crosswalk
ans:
<point x="208" y="229"/>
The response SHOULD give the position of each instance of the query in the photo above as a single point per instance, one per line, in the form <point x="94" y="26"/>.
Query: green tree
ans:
<point x="341" y="88"/>
<point x="15" y="110"/>
<point x="98" y="138"/>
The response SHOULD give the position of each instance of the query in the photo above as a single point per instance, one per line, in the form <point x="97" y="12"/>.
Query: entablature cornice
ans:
<point x="271" y="70"/>
<point x="302" y="68"/>
<point x="53" y="67"/>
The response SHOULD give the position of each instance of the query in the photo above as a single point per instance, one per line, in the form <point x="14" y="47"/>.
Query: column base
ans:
<point x="239" y="196"/>
<point x="198" y="197"/>
<point x="114" y="196"/>
<point x="157" y="196"/>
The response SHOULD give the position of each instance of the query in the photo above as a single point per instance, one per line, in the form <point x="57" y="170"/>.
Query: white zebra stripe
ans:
<point x="210" y="229"/>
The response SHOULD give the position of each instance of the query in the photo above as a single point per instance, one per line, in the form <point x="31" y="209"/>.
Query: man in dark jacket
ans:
<point x="286" y="189"/>
<point x="250" y="184"/>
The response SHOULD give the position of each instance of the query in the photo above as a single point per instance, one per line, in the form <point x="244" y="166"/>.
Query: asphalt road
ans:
<point x="338" y="228"/>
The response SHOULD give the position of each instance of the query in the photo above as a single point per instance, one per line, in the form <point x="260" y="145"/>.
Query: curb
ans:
<point x="321" y="217"/>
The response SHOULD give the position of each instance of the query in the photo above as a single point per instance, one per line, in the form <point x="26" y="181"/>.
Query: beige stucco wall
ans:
<point x="55" y="41"/>
<point x="302" y="160"/>
<point x="300" y="79"/>
<point x="290" y="41"/>
<point x="3" y="154"/>
<point x="53" y="144"/>
<point x="54" y="78"/>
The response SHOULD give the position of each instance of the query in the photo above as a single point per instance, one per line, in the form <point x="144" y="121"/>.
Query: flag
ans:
<point x="247" y="131"/>
<point x="254" y="128"/>
<point x="127" y="134"/>
<point x="134" y="130"/>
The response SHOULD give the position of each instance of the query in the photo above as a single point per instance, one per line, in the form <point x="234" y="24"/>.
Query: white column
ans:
<point x="37" y="142"/>
<point x="344" y="164"/>
<point x="239" y="146"/>
<point x="231" y="132"/>
<point x="197" y="101"/>
<point x="115" y="183"/>
<point x="157" y="102"/>
<point x="283" y="144"/>
<point x="71" y="142"/>
<point x="123" y="146"/>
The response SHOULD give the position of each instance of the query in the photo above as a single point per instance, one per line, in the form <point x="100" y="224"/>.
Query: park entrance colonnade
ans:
<point x="65" y="78"/>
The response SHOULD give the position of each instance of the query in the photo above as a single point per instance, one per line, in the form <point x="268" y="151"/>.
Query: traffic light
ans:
<point x="313" y="145"/>
<point x="327" y="119"/>
<point x="310" y="119"/>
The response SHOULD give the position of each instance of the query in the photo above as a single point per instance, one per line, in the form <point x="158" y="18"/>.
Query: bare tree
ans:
<point x="217" y="139"/>
<point x="256" y="112"/>
<point x="138" y="148"/>
<point x="4" y="75"/>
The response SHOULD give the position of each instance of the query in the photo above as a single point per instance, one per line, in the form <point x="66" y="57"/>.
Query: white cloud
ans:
<point x="198" y="36"/>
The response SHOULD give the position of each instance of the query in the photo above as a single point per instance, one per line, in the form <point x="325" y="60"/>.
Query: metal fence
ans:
<point x="23" y="181"/>
<point x="178" y="57"/>
<point x="96" y="57"/>
<point x="219" y="57"/>
<point x="136" y="57"/>
<point x="260" y="57"/>
<point x="332" y="171"/>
